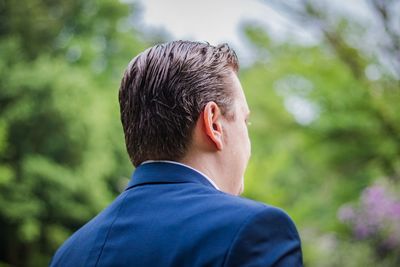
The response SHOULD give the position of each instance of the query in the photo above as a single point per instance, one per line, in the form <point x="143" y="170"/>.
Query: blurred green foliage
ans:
<point x="62" y="155"/>
<point x="321" y="131"/>
<point x="313" y="165"/>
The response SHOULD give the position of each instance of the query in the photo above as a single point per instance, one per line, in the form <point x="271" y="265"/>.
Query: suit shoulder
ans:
<point x="254" y="207"/>
<point x="263" y="214"/>
<point x="244" y="210"/>
<point x="267" y="237"/>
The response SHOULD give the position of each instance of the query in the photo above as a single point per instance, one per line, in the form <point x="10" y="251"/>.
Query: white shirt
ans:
<point x="178" y="163"/>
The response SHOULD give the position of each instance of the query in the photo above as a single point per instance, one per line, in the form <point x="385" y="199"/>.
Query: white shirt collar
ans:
<point x="178" y="163"/>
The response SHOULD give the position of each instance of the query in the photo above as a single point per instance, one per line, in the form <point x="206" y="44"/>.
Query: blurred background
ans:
<point x="322" y="79"/>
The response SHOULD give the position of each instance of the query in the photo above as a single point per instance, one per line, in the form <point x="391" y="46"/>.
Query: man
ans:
<point x="185" y="116"/>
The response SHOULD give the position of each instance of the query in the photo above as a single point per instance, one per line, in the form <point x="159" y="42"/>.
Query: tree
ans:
<point x="62" y="155"/>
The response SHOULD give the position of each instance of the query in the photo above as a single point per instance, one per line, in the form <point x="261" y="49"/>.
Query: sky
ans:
<point x="211" y="20"/>
<point x="217" y="21"/>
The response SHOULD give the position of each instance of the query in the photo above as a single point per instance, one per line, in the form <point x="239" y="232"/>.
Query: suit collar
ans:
<point x="156" y="172"/>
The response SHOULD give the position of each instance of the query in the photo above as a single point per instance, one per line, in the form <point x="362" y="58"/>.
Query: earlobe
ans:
<point x="212" y="124"/>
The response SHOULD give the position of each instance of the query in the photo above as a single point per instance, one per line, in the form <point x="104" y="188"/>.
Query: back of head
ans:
<point x="163" y="92"/>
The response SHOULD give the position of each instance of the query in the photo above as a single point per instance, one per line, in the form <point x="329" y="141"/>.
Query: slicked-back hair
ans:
<point x="165" y="89"/>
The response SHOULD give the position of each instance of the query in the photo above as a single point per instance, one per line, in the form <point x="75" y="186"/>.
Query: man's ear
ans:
<point x="212" y="124"/>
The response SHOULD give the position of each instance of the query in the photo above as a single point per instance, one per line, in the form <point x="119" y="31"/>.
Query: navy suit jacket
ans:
<point x="171" y="215"/>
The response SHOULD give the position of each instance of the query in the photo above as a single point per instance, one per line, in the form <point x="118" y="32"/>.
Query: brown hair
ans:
<point x="163" y="92"/>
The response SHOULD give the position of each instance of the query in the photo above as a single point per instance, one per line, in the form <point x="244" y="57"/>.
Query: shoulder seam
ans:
<point x="109" y="230"/>
<point x="237" y="234"/>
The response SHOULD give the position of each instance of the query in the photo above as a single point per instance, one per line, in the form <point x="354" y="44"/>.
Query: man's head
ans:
<point x="167" y="93"/>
